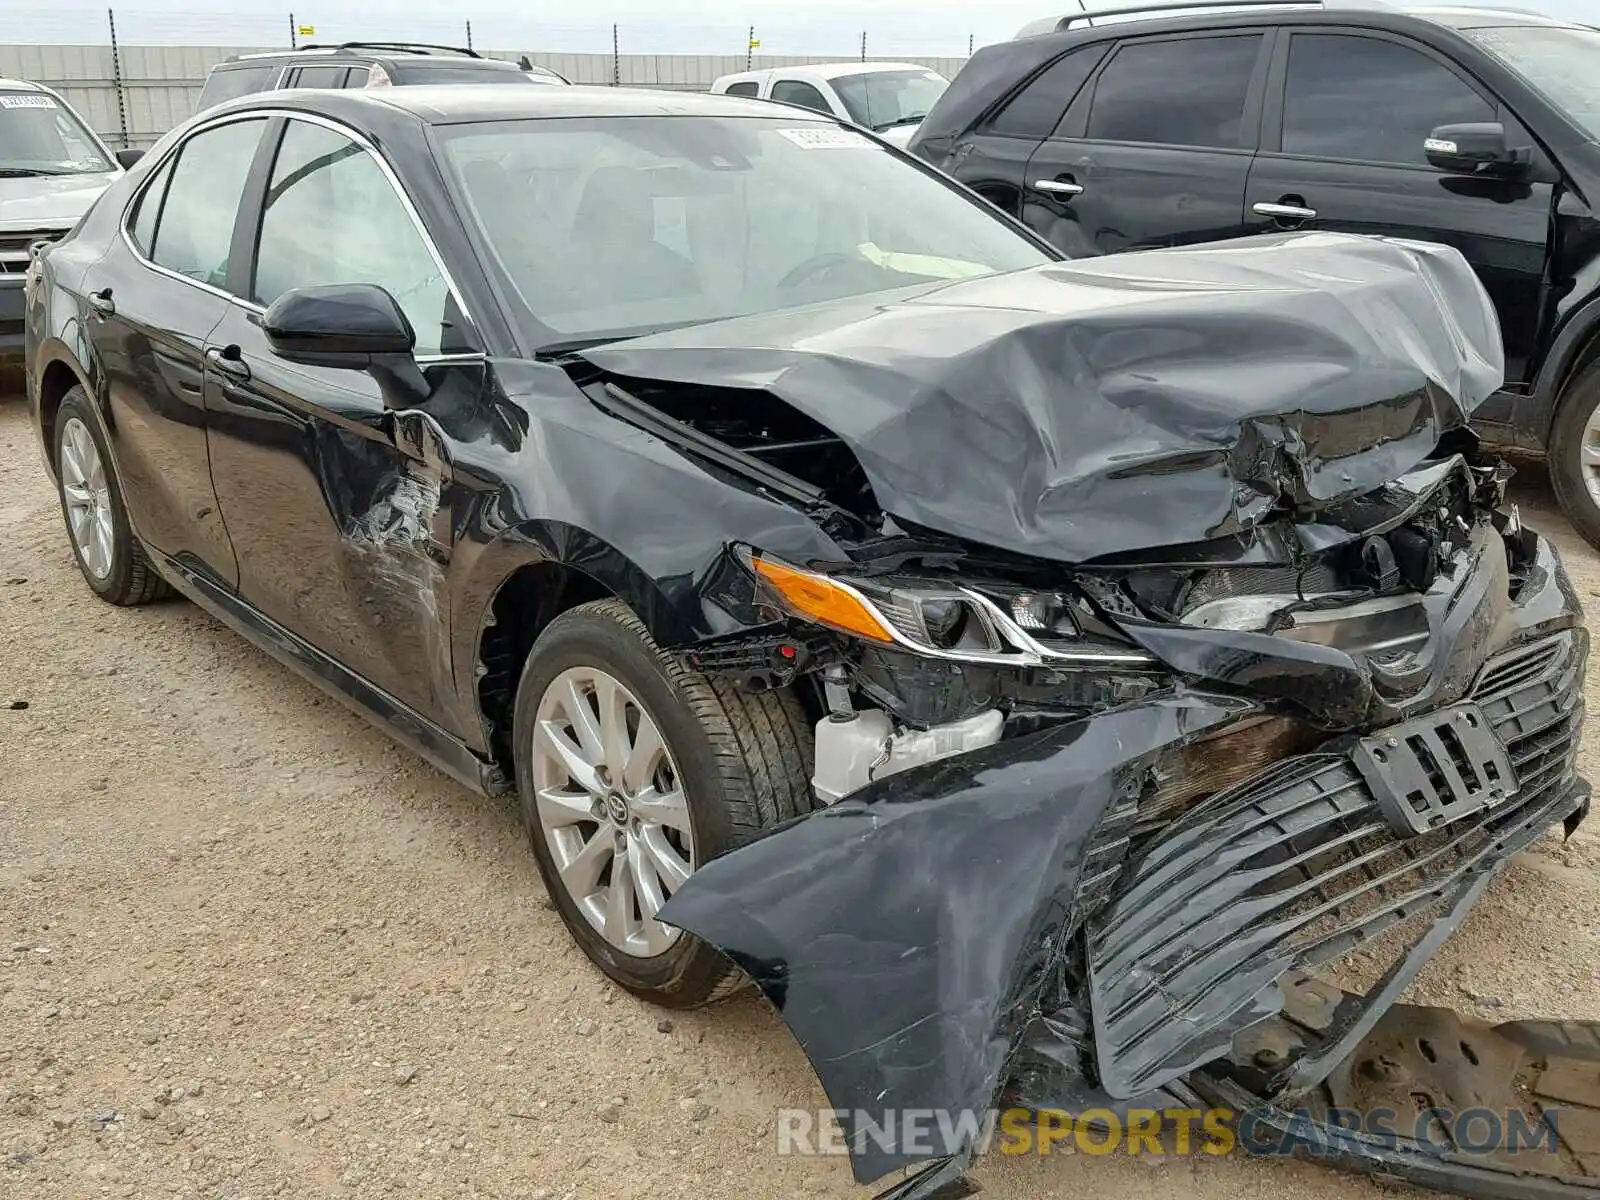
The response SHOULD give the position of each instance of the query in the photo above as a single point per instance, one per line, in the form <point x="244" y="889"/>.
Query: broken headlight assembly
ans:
<point x="988" y="624"/>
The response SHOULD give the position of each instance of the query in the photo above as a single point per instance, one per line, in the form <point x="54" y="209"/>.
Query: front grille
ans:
<point x="1298" y="867"/>
<point x="14" y="248"/>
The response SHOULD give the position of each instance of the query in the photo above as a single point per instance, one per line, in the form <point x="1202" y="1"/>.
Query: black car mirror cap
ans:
<point x="127" y="157"/>
<point x="1474" y="148"/>
<point x="342" y="321"/>
<point x="353" y="326"/>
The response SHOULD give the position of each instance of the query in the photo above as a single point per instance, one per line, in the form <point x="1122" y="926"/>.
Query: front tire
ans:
<point x="632" y="771"/>
<point x="110" y="556"/>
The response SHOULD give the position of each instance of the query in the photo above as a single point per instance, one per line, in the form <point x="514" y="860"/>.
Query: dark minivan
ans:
<point x="353" y="65"/>
<point x="1473" y="127"/>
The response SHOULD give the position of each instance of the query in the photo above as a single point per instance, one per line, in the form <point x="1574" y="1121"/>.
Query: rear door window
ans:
<point x="195" y="229"/>
<point x="1177" y="92"/>
<point x="748" y="87"/>
<point x="795" y="91"/>
<point x="318" y="77"/>
<point x="1328" y="106"/>
<point x="1037" y="109"/>
<point x="229" y="83"/>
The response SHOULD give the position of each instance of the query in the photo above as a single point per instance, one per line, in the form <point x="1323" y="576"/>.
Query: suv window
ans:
<point x="1036" y="110"/>
<point x="332" y="216"/>
<point x="1329" y="110"/>
<point x="1183" y="92"/>
<point x="793" y="91"/>
<point x="748" y="87"/>
<point x="229" y="83"/>
<point x="195" y="227"/>
<point x="319" y="77"/>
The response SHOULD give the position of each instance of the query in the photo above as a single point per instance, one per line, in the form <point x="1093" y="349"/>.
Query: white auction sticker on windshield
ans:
<point x="826" y="137"/>
<point x="30" y="100"/>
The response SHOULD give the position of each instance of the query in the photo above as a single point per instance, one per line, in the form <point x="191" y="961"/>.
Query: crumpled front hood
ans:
<point x="50" y="201"/>
<point x="1150" y="399"/>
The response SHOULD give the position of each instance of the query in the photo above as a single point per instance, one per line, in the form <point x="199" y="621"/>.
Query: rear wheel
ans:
<point x="109" y="554"/>
<point x="632" y="772"/>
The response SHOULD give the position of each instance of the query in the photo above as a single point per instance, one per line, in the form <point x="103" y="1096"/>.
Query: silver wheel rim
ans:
<point x="88" y="497"/>
<point x="611" y="808"/>
<point x="1589" y="455"/>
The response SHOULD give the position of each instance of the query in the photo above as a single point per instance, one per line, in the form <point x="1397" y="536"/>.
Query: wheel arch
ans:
<point x="526" y="579"/>
<point x="1575" y="348"/>
<point x="56" y="377"/>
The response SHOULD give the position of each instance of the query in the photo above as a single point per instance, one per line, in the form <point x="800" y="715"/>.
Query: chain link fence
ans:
<point x="135" y="72"/>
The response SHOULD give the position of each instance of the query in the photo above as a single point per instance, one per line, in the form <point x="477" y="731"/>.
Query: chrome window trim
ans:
<point x="343" y="130"/>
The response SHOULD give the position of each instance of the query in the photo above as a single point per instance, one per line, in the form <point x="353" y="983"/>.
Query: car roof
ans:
<point x="443" y="104"/>
<point x="826" y="70"/>
<point x="1117" y="15"/>
<point x="1463" y="17"/>
<point x="21" y="85"/>
<point x="363" y="51"/>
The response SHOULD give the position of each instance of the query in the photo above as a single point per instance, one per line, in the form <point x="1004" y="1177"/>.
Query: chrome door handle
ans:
<point x="102" y="303"/>
<point x="1057" y="187"/>
<point x="228" y="365"/>
<point x="1284" y="212"/>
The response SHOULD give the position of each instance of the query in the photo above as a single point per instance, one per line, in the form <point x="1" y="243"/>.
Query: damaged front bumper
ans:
<point x="1010" y="923"/>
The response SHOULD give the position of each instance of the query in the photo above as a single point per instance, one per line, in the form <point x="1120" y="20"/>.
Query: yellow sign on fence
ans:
<point x="307" y="30"/>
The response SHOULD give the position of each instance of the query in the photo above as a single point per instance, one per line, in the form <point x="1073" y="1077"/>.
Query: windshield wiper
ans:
<point x="27" y="172"/>
<point x="911" y="120"/>
<point x="552" y="351"/>
<point x="557" y="350"/>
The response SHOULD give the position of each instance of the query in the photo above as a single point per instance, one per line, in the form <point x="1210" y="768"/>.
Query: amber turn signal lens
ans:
<point x="819" y="599"/>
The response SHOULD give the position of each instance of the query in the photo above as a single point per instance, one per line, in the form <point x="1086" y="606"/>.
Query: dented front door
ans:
<point x="342" y="535"/>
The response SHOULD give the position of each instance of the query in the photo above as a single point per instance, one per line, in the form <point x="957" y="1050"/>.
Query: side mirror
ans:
<point x="1477" y="148"/>
<point x="346" y="321"/>
<point x="126" y="158"/>
<point x="354" y="326"/>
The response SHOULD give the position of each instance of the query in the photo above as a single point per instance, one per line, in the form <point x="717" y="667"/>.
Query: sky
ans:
<point x="923" y="27"/>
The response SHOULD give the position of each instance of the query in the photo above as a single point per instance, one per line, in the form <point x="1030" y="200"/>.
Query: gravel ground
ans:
<point x="249" y="948"/>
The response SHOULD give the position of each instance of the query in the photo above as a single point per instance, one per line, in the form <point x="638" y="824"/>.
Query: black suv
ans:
<point x="1477" y="128"/>
<point x="354" y="65"/>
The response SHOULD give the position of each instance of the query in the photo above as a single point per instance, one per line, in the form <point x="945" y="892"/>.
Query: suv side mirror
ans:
<point x="126" y="158"/>
<point x="354" y="326"/>
<point x="1476" y="148"/>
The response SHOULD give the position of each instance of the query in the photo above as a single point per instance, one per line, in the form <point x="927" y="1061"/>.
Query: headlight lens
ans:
<point x="1005" y="627"/>
<point x="1044" y="614"/>
<point x="823" y="600"/>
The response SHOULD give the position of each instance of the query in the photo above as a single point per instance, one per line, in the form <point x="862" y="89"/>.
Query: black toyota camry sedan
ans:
<point x="1029" y="674"/>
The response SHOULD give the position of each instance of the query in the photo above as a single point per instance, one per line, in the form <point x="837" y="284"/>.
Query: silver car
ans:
<point x="52" y="168"/>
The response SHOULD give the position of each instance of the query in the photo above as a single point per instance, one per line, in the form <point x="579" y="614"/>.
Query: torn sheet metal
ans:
<point x="917" y="936"/>
<point x="1149" y="399"/>
<point x="906" y="932"/>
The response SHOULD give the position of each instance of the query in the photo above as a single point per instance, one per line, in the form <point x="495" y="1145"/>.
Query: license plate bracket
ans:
<point x="1435" y="769"/>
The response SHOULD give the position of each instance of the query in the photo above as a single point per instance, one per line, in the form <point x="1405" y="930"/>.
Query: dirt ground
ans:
<point x="250" y="948"/>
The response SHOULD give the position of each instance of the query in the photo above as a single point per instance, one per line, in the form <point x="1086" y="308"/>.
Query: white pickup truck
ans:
<point x="890" y="98"/>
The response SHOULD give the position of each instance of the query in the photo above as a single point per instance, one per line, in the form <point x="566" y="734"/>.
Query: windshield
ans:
<point x="611" y="226"/>
<point x="879" y="99"/>
<point x="40" y="136"/>
<point x="1559" y="61"/>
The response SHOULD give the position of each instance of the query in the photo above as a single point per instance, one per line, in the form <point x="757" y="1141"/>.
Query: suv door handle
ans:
<point x="1284" y="212"/>
<point x="102" y="303"/>
<point x="226" y="362"/>
<point x="1057" y="187"/>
